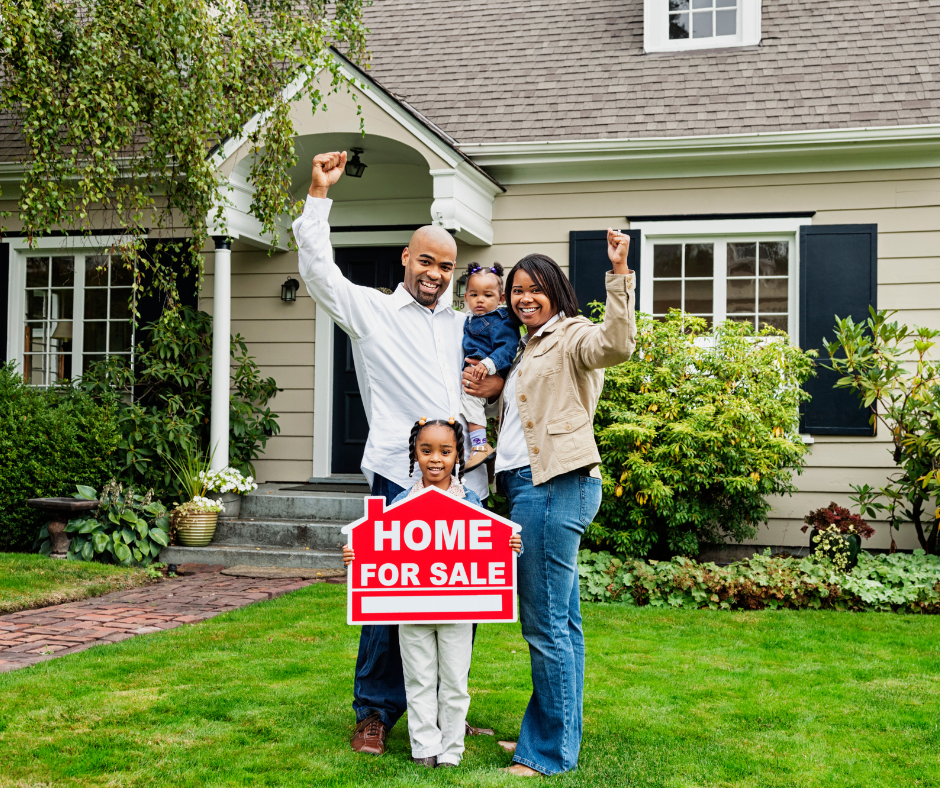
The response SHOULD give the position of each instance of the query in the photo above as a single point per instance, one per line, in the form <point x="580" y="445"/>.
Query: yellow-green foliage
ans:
<point x="696" y="431"/>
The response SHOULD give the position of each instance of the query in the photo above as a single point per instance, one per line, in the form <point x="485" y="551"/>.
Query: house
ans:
<point x="430" y="557"/>
<point x="775" y="162"/>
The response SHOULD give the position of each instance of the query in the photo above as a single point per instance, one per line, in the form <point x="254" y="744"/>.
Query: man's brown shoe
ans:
<point x="369" y="737"/>
<point x="469" y="730"/>
<point x="479" y="455"/>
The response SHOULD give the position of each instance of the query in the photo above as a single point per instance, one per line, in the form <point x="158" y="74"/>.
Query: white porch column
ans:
<point x="221" y="352"/>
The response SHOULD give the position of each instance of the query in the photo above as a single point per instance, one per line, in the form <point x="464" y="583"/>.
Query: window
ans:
<point x="76" y="310"/>
<point x="673" y="25"/>
<point x="723" y="269"/>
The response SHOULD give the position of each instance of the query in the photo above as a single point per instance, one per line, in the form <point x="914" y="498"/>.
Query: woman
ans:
<point x="547" y="464"/>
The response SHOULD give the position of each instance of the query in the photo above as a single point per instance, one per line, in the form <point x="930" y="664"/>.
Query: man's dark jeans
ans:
<point x="380" y="682"/>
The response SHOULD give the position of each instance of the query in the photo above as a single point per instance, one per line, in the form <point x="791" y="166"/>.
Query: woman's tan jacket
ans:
<point x="560" y="381"/>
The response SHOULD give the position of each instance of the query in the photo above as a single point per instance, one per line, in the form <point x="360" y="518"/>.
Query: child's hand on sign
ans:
<point x="515" y="542"/>
<point x="348" y="555"/>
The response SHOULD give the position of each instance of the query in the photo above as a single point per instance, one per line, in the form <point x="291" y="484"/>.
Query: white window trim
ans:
<point x="656" y="29"/>
<point x="16" y="306"/>
<point x="709" y="231"/>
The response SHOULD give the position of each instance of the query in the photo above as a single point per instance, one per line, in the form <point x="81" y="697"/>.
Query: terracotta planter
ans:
<point x="231" y="504"/>
<point x="196" y="530"/>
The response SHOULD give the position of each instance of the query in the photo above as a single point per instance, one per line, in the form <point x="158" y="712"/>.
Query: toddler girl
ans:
<point x="490" y="342"/>
<point x="436" y="657"/>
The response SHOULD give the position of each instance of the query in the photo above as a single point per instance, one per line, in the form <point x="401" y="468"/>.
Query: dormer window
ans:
<point x="675" y="25"/>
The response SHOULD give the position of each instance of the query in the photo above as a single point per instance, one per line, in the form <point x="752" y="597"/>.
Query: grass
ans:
<point x="29" y="581"/>
<point x="690" y="699"/>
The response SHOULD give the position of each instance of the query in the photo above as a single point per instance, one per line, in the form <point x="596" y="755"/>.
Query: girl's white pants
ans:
<point x="436" y="662"/>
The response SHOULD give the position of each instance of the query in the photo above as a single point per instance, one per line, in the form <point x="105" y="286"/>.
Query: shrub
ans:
<point x="887" y="365"/>
<point x="50" y="440"/>
<point x="167" y="401"/>
<point x="127" y="528"/>
<point x="696" y="431"/>
<point x="897" y="582"/>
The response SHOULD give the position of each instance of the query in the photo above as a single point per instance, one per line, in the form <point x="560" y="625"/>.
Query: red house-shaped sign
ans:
<point x="431" y="558"/>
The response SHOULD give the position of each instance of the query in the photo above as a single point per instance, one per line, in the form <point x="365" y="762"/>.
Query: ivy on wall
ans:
<point x="121" y="105"/>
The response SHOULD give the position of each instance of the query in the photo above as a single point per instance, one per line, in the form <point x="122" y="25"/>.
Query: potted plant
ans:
<point x="837" y="534"/>
<point x="230" y="486"/>
<point x="196" y="518"/>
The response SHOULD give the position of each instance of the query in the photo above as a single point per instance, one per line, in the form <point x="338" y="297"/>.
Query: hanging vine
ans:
<point x="122" y="106"/>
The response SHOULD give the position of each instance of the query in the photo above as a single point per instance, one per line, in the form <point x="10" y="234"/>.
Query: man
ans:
<point x="408" y="353"/>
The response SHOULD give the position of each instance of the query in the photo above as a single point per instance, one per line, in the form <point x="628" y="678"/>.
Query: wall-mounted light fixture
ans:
<point x="289" y="290"/>
<point x="354" y="167"/>
<point x="460" y="290"/>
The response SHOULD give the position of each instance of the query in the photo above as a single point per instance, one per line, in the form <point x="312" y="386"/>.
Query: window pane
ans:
<point x="63" y="271"/>
<point x="699" y="260"/>
<point x="698" y="296"/>
<point x="34" y="337"/>
<point x="37" y="272"/>
<point x="96" y="304"/>
<point x="777" y="321"/>
<point x="120" y="275"/>
<point x="35" y="304"/>
<point x="95" y="337"/>
<point x="120" y="332"/>
<point x="666" y="296"/>
<point x="34" y="370"/>
<point x="742" y="259"/>
<point x="61" y="304"/>
<point x="726" y="3"/>
<point x="678" y="5"/>
<point x="678" y="26"/>
<point x="119" y="304"/>
<point x="87" y="361"/>
<point x="96" y="271"/>
<point x="774" y="258"/>
<point x="726" y="23"/>
<point x="61" y="367"/>
<point x="667" y="260"/>
<point x="702" y="3"/>
<point x="702" y="24"/>
<point x="741" y="294"/>
<point x="772" y="295"/>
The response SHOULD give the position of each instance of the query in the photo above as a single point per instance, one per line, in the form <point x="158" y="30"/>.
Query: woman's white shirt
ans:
<point x="512" y="451"/>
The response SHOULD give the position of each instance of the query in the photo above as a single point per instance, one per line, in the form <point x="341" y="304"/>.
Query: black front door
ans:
<point x="372" y="266"/>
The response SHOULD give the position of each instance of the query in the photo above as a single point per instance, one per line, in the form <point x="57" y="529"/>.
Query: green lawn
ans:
<point x="28" y="581"/>
<point x="260" y="697"/>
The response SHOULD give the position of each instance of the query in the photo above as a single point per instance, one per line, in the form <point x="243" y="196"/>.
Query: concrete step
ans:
<point x="273" y="504"/>
<point x="236" y="555"/>
<point x="296" y="534"/>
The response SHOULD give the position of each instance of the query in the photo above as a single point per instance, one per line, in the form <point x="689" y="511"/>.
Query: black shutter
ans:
<point x="838" y="276"/>
<point x="4" y="297"/>
<point x="588" y="263"/>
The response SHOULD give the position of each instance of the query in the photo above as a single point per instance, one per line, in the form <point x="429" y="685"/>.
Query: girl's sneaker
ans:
<point x="479" y="455"/>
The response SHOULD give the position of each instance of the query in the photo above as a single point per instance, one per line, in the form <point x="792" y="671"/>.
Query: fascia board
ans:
<point x="731" y="154"/>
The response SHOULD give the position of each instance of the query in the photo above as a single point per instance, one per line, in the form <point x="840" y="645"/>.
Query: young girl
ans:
<point x="436" y="657"/>
<point x="490" y="341"/>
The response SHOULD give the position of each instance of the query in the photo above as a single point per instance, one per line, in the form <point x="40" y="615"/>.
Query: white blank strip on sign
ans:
<point x="485" y="603"/>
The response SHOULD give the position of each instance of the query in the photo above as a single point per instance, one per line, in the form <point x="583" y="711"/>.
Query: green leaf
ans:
<point x="122" y="551"/>
<point x="87" y="551"/>
<point x="46" y="547"/>
<point x="159" y="536"/>
<point x="85" y="492"/>
<point x="128" y="516"/>
<point x="101" y="542"/>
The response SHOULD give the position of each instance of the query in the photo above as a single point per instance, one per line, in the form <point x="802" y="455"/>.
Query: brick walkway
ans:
<point x="32" y="636"/>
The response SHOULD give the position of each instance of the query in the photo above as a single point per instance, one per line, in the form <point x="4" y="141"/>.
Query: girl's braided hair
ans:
<point x="452" y="424"/>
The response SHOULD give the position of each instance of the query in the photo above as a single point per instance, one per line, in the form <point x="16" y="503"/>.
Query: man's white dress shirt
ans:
<point x="512" y="451"/>
<point x="409" y="360"/>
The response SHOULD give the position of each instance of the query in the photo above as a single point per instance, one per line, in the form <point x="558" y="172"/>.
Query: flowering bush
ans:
<point x="899" y="582"/>
<point x="844" y="521"/>
<point x="228" y="480"/>
<point x="197" y="505"/>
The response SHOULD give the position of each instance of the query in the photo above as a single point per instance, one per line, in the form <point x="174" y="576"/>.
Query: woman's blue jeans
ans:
<point x="553" y="516"/>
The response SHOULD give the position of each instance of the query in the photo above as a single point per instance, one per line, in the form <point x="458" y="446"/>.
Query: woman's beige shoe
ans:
<point x="521" y="771"/>
<point x="479" y="455"/>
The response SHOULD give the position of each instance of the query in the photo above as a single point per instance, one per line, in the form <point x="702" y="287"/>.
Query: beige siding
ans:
<point x="905" y="204"/>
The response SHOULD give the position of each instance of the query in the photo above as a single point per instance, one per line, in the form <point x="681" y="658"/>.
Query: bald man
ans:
<point x="409" y="360"/>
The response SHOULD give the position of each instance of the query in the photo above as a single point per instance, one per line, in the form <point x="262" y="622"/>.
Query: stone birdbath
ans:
<point x="60" y="511"/>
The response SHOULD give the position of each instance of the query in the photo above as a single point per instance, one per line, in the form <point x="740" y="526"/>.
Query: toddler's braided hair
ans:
<point x="496" y="269"/>
<point x="452" y="424"/>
